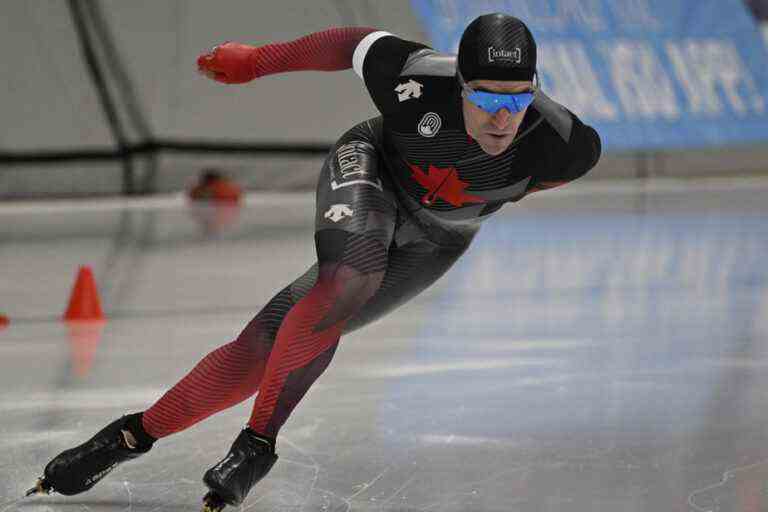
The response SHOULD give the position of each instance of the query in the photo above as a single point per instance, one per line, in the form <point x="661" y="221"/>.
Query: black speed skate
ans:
<point x="248" y="461"/>
<point x="78" y="469"/>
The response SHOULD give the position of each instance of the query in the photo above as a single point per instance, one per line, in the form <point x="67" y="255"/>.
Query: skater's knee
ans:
<point x="259" y="335"/>
<point x="344" y="290"/>
<point x="342" y="282"/>
<point x="351" y="267"/>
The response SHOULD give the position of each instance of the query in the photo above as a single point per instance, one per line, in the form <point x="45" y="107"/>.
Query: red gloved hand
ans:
<point x="229" y="63"/>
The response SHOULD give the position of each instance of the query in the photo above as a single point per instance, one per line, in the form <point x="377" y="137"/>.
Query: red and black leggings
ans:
<point x="363" y="271"/>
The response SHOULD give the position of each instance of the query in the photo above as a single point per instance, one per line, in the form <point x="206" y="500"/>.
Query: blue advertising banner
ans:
<point x="647" y="74"/>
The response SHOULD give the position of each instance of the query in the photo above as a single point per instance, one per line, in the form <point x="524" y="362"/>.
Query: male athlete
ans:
<point x="399" y="199"/>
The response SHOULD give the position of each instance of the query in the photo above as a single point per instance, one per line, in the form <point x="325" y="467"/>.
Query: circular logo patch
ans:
<point x="430" y="124"/>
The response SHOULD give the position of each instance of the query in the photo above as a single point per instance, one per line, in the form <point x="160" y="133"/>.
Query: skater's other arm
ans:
<point x="328" y="50"/>
<point x="574" y="149"/>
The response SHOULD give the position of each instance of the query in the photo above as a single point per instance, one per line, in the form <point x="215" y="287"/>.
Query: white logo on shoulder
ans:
<point x="408" y="90"/>
<point x="515" y="56"/>
<point x="430" y="124"/>
<point x="338" y="212"/>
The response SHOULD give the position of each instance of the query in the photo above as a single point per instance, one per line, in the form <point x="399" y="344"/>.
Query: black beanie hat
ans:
<point x="497" y="47"/>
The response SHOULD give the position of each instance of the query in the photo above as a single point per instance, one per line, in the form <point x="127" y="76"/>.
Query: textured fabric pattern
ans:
<point x="310" y="328"/>
<point x="497" y="47"/>
<point x="360" y="276"/>
<point x="225" y="377"/>
<point x="329" y="50"/>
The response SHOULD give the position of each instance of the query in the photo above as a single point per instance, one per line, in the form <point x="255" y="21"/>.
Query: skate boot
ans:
<point x="78" y="469"/>
<point x="248" y="461"/>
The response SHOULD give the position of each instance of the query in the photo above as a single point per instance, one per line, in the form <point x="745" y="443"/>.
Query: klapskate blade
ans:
<point x="212" y="503"/>
<point x="39" y="488"/>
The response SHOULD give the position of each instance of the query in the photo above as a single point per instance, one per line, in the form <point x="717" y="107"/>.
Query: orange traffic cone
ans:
<point x="84" y="304"/>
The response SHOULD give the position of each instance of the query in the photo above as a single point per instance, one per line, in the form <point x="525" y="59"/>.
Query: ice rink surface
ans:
<point x="600" y="348"/>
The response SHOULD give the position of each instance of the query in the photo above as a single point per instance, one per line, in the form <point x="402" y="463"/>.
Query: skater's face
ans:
<point x="494" y="132"/>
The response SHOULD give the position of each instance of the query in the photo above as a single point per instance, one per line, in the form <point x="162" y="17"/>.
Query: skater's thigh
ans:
<point x="356" y="209"/>
<point x="410" y="270"/>
<point x="354" y="224"/>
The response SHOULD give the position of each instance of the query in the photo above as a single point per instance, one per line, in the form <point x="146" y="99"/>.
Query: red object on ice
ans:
<point x="217" y="190"/>
<point x="84" y="303"/>
<point x="4" y="321"/>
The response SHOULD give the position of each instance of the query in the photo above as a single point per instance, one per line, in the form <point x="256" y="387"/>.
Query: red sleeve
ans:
<point x="329" y="50"/>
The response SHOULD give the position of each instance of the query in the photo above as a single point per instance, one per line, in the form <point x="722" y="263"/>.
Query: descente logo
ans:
<point x="515" y="56"/>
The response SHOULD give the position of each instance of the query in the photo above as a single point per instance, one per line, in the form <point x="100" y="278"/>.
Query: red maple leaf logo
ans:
<point x="444" y="184"/>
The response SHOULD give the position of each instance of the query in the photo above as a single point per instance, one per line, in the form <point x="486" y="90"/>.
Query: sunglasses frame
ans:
<point x="467" y="91"/>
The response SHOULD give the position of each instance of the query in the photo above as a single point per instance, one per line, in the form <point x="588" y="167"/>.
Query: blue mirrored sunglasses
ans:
<point x="492" y="102"/>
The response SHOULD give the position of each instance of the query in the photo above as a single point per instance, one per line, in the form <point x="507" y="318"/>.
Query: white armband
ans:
<point x="362" y="49"/>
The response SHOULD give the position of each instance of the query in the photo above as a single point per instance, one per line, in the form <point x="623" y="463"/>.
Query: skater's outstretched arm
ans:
<point x="328" y="50"/>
